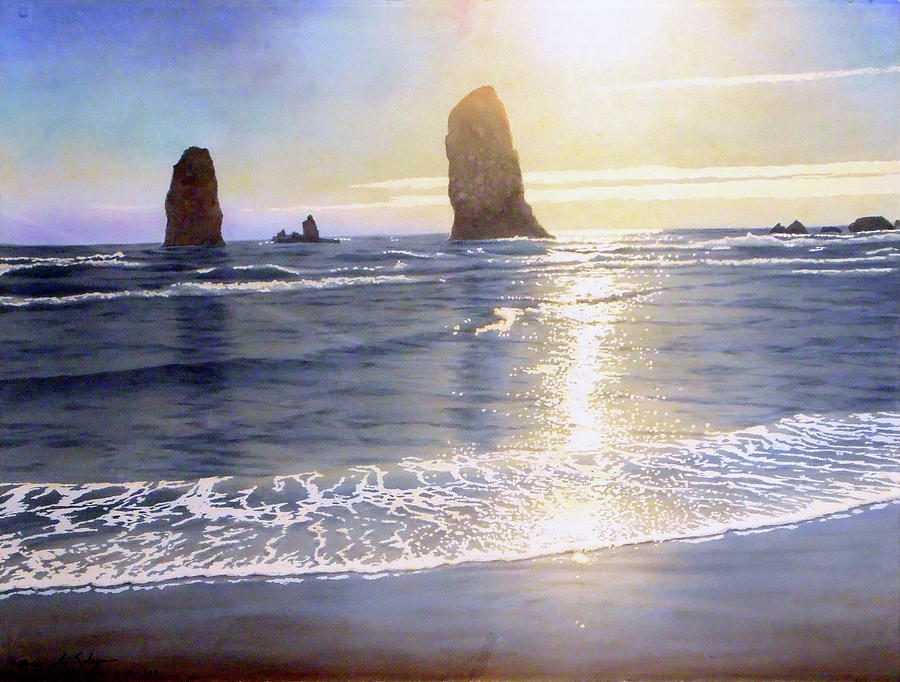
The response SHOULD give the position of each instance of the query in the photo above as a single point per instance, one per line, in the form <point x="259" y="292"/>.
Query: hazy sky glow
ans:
<point x="625" y="115"/>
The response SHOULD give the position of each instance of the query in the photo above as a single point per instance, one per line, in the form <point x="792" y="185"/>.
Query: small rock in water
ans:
<point x="310" y="234"/>
<point x="870" y="224"/>
<point x="830" y="229"/>
<point x="795" y="227"/>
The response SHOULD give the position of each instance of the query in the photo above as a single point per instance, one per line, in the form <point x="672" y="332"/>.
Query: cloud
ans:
<point x="405" y="183"/>
<point x="659" y="174"/>
<point x="116" y="208"/>
<point x="399" y="201"/>
<point x="731" y="81"/>
<point x="657" y="183"/>
<point x="764" y="188"/>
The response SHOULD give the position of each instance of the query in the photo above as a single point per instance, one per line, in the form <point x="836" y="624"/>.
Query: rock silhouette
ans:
<point x="830" y="229"/>
<point x="795" y="227"/>
<point x="870" y="223"/>
<point x="485" y="186"/>
<point x="193" y="215"/>
<point x="310" y="234"/>
<point x="310" y="229"/>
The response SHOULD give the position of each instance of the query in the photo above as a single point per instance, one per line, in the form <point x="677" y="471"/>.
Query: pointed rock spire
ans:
<point x="485" y="188"/>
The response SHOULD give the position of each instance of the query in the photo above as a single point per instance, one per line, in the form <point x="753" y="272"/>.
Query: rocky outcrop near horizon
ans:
<point x="193" y="215"/>
<point x="795" y="227"/>
<point x="485" y="180"/>
<point x="870" y="223"/>
<point x="310" y="234"/>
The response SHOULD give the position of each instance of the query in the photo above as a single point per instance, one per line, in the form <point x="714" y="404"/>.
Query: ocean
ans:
<point x="393" y="404"/>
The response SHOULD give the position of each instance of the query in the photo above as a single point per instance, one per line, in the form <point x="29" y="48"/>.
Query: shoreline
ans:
<point x="814" y="601"/>
<point x="346" y="574"/>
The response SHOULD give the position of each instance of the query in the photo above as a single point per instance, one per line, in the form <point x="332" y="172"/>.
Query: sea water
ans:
<point x="398" y="403"/>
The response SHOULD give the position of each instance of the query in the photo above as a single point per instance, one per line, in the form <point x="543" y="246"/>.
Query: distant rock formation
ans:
<point x="830" y="229"/>
<point x="485" y="187"/>
<point x="870" y="223"/>
<point x="310" y="234"/>
<point x="310" y="229"/>
<point x="795" y="227"/>
<point x="193" y="215"/>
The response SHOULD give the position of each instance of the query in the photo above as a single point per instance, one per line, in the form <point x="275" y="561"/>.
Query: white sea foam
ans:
<point x="464" y="507"/>
<point x="847" y="272"/>
<point x="208" y="288"/>
<point x="791" y="241"/>
<point x="409" y="254"/>
<point x="97" y="260"/>
<point x="268" y="266"/>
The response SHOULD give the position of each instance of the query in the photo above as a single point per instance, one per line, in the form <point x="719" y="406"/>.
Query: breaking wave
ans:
<point x="424" y="513"/>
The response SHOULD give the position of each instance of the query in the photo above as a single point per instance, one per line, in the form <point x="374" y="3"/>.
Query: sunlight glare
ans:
<point x="596" y="33"/>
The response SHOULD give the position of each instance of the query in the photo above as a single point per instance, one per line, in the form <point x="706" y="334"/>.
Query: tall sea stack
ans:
<point x="486" y="189"/>
<point x="193" y="216"/>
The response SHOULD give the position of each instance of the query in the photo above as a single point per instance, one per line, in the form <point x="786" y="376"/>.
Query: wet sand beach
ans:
<point x="814" y="601"/>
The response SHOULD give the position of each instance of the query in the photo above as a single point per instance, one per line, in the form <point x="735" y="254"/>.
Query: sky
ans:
<point x="625" y="115"/>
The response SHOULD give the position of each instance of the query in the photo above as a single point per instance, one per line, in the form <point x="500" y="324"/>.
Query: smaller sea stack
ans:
<point x="310" y="234"/>
<point x="193" y="215"/>
<point x="795" y="227"/>
<point x="870" y="223"/>
<point x="485" y="187"/>
<point x="310" y="229"/>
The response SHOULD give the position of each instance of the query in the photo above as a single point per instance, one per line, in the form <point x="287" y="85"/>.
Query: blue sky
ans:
<point x="304" y="105"/>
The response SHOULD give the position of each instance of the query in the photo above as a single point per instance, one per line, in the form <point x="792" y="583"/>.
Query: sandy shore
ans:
<point x="816" y="601"/>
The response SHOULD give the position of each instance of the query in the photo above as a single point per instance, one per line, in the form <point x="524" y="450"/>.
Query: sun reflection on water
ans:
<point x="587" y="415"/>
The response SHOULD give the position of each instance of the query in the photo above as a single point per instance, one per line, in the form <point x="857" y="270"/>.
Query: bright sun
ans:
<point x="595" y="33"/>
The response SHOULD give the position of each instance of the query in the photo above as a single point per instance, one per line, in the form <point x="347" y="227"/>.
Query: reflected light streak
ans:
<point x="508" y="317"/>
<point x="572" y="513"/>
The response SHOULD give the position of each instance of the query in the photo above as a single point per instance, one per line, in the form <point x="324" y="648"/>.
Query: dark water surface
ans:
<point x="388" y="404"/>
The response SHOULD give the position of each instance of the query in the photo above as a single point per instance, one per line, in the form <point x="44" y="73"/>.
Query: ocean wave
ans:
<point x="848" y="272"/>
<point x="464" y="507"/>
<point x="802" y="260"/>
<point x="56" y="260"/>
<point x="799" y="240"/>
<point x="517" y="246"/>
<point x="34" y="266"/>
<point x="402" y="253"/>
<point x="385" y="256"/>
<point x="203" y="288"/>
<point x="641" y="261"/>
<point x="641" y="243"/>
<point x="247" y="273"/>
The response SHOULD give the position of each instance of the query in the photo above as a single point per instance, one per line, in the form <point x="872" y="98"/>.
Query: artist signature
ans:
<point x="76" y="665"/>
